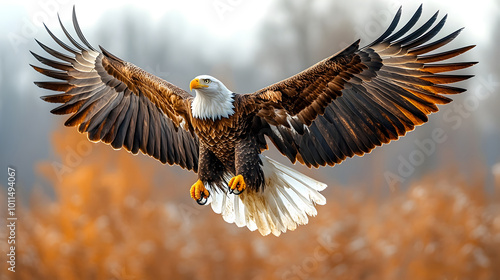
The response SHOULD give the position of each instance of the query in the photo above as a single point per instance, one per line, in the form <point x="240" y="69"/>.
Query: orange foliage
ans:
<point x="116" y="216"/>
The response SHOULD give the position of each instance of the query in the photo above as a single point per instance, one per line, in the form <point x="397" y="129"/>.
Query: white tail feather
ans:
<point x="288" y="198"/>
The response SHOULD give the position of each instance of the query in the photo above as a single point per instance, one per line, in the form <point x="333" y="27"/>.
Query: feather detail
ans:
<point x="212" y="107"/>
<point x="361" y="98"/>
<point x="289" y="197"/>
<point x="118" y="103"/>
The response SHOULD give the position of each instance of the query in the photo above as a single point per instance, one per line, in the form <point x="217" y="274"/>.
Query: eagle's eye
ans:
<point x="207" y="81"/>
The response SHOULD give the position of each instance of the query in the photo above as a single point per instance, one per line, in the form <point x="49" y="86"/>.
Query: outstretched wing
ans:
<point x="358" y="99"/>
<point x="118" y="103"/>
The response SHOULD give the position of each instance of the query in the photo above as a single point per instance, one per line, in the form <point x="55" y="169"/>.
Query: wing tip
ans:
<point x="79" y="32"/>
<point x="39" y="69"/>
<point x="109" y="55"/>
<point x="420" y="7"/>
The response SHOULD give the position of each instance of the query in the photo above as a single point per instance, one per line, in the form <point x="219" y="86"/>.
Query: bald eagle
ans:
<point x="344" y="105"/>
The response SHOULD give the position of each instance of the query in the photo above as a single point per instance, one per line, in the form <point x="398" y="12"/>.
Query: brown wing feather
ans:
<point x="358" y="99"/>
<point x="118" y="103"/>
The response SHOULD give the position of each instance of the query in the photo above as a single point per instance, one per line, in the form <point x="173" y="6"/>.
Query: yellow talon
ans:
<point x="199" y="192"/>
<point x="237" y="184"/>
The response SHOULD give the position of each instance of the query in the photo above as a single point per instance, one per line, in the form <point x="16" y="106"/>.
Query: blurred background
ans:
<point x="419" y="208"/>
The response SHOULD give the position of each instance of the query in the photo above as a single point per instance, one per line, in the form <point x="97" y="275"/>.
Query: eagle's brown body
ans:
<point x="230" y="146"/>
<point x="345" y="105"/>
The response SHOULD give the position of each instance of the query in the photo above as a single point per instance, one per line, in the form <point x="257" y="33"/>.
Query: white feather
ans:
<point x="289" y="197"/>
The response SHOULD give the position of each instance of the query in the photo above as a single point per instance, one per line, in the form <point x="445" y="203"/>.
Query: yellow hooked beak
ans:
<point x="195" y="83"/>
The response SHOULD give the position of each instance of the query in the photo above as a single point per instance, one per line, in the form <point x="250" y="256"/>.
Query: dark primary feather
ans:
<point x="360" y="98"/>
<point x="118" y="103"/>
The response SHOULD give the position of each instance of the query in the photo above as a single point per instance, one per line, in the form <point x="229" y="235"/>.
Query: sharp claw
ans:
<point x="202" y="201"/>
<point x="236" y="192"/>
<point x="236" y="185"/>
<point x="199" y="193"/>
<point x="203" y="198"/>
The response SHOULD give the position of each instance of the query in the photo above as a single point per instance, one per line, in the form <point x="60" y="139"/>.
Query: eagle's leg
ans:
<point x="237" y="185"/>
<point x="210" y="172"/>
<point x="199" y="192"/>
<point x="247" y="166"/>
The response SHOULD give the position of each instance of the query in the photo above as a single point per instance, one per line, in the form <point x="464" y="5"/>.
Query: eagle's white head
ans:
<point x="213" y="100"/>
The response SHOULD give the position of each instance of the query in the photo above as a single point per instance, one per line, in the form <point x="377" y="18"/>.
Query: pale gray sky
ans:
<point x="225" y="21"/>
